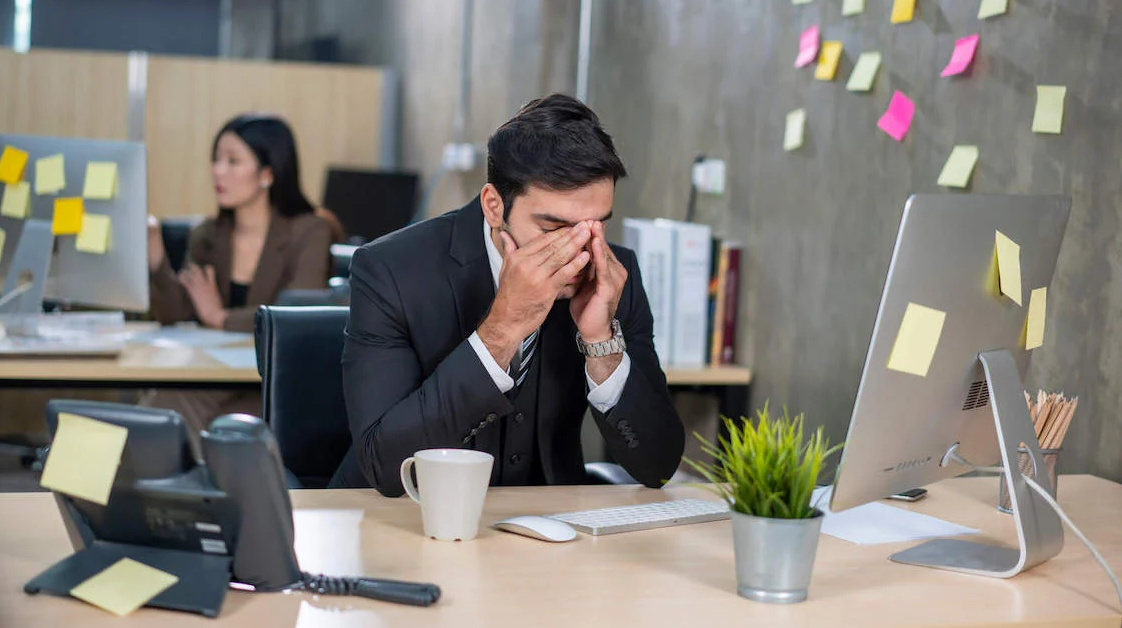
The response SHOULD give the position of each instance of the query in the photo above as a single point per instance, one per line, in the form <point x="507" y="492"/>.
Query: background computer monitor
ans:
<point x="370" y="203"/>
<point x="118" y="279"/>
<point x="903" y="424"/>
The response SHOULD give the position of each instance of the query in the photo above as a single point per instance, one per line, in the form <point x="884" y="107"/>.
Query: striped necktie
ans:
<point x="520" y="365"/>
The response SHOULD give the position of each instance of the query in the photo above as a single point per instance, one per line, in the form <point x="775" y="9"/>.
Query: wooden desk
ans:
<point x="681" y="576"/>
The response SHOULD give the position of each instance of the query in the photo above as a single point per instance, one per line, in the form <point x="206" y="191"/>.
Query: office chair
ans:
<point x="299" y="357"/>
<point x="341" y="255"/>
<point x="176" y="234"/>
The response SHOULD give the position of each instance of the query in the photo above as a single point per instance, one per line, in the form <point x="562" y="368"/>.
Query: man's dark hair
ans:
<point x="555" y="143"/>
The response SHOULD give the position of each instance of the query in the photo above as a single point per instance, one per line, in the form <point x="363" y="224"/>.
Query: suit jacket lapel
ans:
<point x="270" y="266"/>
<point x="473" y="289"/>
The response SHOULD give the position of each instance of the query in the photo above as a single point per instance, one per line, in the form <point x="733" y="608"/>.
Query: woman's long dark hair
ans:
<point x="272" y="142"/>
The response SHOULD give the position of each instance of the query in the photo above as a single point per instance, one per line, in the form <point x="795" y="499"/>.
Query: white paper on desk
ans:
<point x="235" y="357"/>
<point x="200" y="338"/>
<point x="325" y="614"/>
<point x="875" y="523"/>
<point x="328" y="541"/>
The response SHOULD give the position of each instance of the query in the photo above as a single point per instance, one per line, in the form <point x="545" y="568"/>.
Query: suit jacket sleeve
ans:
<point x="168" y="299"/>
<point x="310" y="251"/>
<point x="643" y="431"/>
<point x="394" y="407"/>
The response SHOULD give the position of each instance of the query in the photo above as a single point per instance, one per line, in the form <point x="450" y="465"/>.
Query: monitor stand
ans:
<point x="27" y="275"/>
<point x="1040" y="534"/>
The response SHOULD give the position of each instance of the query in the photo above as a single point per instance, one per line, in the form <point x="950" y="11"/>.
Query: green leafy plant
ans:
<point x="768" y="469"/>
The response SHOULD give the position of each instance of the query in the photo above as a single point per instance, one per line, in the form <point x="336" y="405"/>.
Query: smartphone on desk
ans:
<point x="910" y="495"/>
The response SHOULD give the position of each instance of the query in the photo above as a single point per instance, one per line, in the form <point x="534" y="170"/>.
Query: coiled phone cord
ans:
<point x="412" y="593"/>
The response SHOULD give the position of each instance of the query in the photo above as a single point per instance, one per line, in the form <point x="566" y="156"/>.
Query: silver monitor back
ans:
<point x="903" y="424"/>
<point x="119" y="279"/>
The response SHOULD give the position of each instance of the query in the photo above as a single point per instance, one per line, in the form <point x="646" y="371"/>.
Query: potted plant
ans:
<point x="767" y="472"/>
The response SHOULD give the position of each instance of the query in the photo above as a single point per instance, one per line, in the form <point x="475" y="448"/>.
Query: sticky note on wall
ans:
<point x="852" y="7"/>
<point x="1008" y="266"/>
<point x="795" y="131"/>
<point x="83" y="459"/>
<point x="50" y="175"/>
<point x="68" y="216"/>
<point x="808" y="47"/>
<point x="17" y="200"/>
<point x="12" y="163"/>
<point x="96" y="235"/>
<point x="101" y="180"/>
<point x="903" y="11"/>
<point x="124" y="587"/>
<point x="917" y="340"/>
<point x="1033" y="335"/>
<point x="828" y="61"/>
<point x="963" y="54"/>
<point x="1049" y="114"/>
<point x="956" y="172"/>
<point x="991" y="8"/>
<point x="897" y="119"/>
<point x="864" y="72"/>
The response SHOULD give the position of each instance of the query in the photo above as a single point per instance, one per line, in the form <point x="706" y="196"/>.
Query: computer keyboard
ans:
<point x="644" y="516"/>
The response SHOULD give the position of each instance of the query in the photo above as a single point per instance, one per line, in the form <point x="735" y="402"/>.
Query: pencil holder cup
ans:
<point x="1024" y="464"/>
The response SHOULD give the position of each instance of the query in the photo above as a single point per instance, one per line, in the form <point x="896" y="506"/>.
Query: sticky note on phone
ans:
<point x="68" y="216"/>
<point x="101" y="180"/>
<point x="1008" y="266"/>
<point x="50" y="175"/>
<point x="1033" y="335"/>
<point x="124" y="587"/>
<point x="917" y="340"/>
<point x="96" y="234"/>
<point x="12" y="163"/>
<point x="17" y="200"/>
<point x="828" y="60"/>
<point x="903" y="11"/>
<point x="796" y="128"/>
<point x="83" y="458"/>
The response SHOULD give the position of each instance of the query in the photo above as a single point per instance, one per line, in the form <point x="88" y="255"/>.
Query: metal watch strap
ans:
<point x="613" y="345"/>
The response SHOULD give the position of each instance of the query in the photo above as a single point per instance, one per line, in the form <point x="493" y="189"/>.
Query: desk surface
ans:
<point x="147" y="364"/>
<point x="681" y="576"/>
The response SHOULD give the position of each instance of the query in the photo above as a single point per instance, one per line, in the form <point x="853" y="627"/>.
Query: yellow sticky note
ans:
<point x="68" y="216"/>
<point x="990" y="8"/>
<point x="124" y="587"/>
<point x="12" y="163"/>
<point x="1049" y="115"/>
<point x="50" y="174"/>
<point x="101" y="180"/>
<point x="917" y="340"/>
<point x="828" y="58"/>
<point x="864" y="72"/>
<point x="17" y="200"/>
<point x="83" y="459"/>
<point x="3" y="237"/>
<point x="903" y="11"/>
<point x="852" y="7"/>
<point x="956" y="172"/>
<point x="796" y="128"/>
<point x="1008" y="266"/>
<point x="1034" y="323"/>
<point x="96" y="234"/>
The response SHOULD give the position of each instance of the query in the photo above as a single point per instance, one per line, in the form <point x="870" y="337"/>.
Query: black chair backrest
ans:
<point x="341" y="255"/>
<point x="299" y="352"/>
<point x="176" y="233"/>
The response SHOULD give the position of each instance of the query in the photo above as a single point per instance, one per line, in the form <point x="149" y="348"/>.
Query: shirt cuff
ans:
<point x="605" y="396"/>
<point x="502" y="379"/>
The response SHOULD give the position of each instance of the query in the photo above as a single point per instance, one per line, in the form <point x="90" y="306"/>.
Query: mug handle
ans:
<point x="407" y="479"/>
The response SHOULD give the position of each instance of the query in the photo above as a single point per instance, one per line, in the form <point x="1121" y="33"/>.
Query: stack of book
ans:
<point x="692" y="282"/>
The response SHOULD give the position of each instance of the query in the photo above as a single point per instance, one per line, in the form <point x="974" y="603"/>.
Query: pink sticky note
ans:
<point x="898" y="119"/>
<point x="808" y="46"/>
<point x="962" y="56"/>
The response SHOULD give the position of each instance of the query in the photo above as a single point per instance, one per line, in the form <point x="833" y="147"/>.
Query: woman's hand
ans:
<point x="156" y="251"/>
<point x="202" y="287"/>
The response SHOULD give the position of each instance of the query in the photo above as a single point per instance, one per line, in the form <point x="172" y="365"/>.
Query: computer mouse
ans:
<point x="542" y="528"/>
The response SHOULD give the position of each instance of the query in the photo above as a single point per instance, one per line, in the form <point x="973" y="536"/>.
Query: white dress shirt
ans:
<point x="603" y="397"/>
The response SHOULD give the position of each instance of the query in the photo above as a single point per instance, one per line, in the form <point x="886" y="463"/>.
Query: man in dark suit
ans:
<point x="495" y="326"/>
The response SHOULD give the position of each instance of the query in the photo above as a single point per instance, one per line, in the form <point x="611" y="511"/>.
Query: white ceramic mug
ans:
<point x="451" y="486"/>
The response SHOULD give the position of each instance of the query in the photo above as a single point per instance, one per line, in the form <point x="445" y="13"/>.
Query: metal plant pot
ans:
<point x="774" y="557"/>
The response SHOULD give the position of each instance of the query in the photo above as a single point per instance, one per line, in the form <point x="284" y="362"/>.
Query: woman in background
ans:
<point x="265" y="239"/>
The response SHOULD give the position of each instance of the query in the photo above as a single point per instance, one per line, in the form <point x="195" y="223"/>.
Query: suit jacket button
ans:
<point x="518" y="418"/>
<point x="492" y="416"/>
<point x="516" y="458"/>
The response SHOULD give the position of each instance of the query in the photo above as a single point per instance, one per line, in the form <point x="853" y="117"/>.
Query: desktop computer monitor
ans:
<point x="370" y="203"/>
<point x="117" y="279"/>
<point x="908" y="429"/>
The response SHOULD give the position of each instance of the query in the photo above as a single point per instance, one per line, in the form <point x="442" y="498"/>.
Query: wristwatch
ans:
<point x="615" y="344"/>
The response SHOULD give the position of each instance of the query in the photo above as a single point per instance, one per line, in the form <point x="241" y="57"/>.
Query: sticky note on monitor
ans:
<point x="795" y="131"/>
<point x="12" y="163"/>
<point x="864" y="72"/>
<point x="828" y="60"/>
<point x="852" y="7"/>
<point x="50" y="175"/>
<point x="1033" y="334"/>
<point x="992" y="8"/>
<point x="124" y="587"/>
<point x="963" y="54"/>
<point x="960" y="165"/>
<point x="1008" y="266"/>
<point x="917" y="340"/>
<point x="903" y="11"/>
<point x="17" y="200"/>
<point x="83" y="459"/>
<point x="96" y="235"/>
<point x="897" y="119"/>
<point x="808" y="47"/>
<point x="68" y="216"/>
<point x="101" y="180"/>
<point x="1049" y="114"/>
